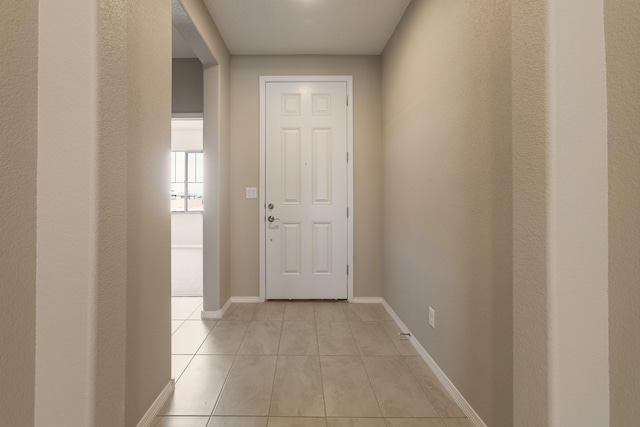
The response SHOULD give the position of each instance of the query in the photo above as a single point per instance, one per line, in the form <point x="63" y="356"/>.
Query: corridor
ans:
<point x="285" y="364"/>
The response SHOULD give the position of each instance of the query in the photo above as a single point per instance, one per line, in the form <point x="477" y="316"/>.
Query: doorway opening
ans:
<point x="186" y="201"/>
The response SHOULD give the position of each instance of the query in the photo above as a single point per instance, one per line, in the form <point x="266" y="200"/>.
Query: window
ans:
<point x="187" y="174"/>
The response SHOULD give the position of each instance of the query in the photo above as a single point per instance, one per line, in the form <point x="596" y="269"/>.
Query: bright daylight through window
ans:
<point x="187" y="165"/>
<point x="186" y="181"/>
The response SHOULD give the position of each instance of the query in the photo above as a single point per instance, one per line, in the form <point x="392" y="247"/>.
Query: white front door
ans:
<point x="306" y="193"/>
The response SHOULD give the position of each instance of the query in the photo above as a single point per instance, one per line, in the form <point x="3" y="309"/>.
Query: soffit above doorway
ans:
<point x="294" y="27"/>
<point x="179" y="46"/>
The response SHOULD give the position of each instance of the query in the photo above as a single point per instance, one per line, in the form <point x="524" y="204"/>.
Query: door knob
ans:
<point x="270" y="206"/>
<point x="271" y="218"/>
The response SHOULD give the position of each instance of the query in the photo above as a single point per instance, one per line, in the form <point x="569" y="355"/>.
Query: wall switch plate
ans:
<point x="251" y="192"/>
<point x="432" y="317"/>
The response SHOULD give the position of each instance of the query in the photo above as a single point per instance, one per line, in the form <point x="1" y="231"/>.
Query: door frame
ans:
<point x="262" y="202"/>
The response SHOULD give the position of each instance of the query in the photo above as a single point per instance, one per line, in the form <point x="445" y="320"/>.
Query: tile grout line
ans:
<point x="324" y="401"/>
<point x="180" y="326"/>
<point x="424" y="390"/>
<point x="196" y="352"/>
<point x="206" y="336"/>
<point x="372" y="388"/>
<point x="186" y="366"/>
<point x="367" y="373"/>
<point x="273" y="383"/>
<point x="193" y="311"/>
<point x="226" y="378"/>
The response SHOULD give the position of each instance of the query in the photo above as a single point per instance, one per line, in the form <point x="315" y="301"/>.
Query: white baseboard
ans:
<point x="366" y="300"/>
<point x="212" y="315"/>
<point x="186" y="246"/>
<point x="219" y="313"/>
<point x="245" y="299"/>
<point x="157" y="405"/>
<point x="455" y="394"/>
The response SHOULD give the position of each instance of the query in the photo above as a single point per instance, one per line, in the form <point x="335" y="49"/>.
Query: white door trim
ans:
<point x="349" y="81"/>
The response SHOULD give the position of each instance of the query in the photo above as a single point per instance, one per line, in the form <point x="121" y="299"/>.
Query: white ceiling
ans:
<point x="290" y="27"/>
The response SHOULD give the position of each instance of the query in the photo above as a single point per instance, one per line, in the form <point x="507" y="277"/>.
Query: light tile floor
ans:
<point x="286" y="364"/>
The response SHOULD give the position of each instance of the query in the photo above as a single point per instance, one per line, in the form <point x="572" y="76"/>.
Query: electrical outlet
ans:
<point x="432" y="318"/>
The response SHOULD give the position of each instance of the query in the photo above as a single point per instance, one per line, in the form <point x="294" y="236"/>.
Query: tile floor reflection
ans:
<point x="308" y="364"/>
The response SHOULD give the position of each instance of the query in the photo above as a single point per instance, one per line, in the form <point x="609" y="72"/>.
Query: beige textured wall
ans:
<point x="623" y="81"/>
<point x="560" y="214"/>
<point x="109" y="296"/>
<point x="18" y="144"/>
<point x="224" y="135"/>
<point x="81" y="282"/>
<point x="149" y="240"/>
<point x="578" y="226"/>
<point x="530" y="295"/>
<point x="245" y="163"/>
<point x="447" y="191"/>
<point x="82" y="234"/>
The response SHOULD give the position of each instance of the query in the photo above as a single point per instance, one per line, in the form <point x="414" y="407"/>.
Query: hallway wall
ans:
<point x="560" y="258"/>
<point x="187" y="228"/>
<point x="447" y="192"/>
<point x="18" y="130"/>
<point x="213" y="53"/>
<point x="102" y="292"/>
<point x="622" y="35"/>
<point x="148" y="299"/>
<point x="82" y="241"/>
<point x="245" y="163"/>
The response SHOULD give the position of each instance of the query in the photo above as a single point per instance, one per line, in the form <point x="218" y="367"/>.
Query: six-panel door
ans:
<point x="306" y="182"/>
